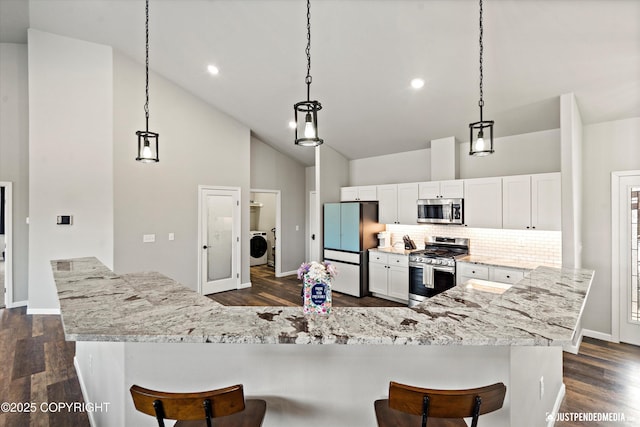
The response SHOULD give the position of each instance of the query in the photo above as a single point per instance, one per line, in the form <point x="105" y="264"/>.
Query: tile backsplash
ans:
<point x="544" y="247"/>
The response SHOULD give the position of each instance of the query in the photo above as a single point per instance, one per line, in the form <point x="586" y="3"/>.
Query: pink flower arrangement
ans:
<point x="317" y="272"/>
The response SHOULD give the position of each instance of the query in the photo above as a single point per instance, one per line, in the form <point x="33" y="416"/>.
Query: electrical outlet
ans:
<point x="148" y="238"/>
<point x="172" y="236"/>
<point x="541" y="387"/>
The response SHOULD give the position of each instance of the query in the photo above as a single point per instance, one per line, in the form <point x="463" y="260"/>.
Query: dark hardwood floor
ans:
<point x="266" y="289"/>
<point x="37" y="363"/>
<point x="37" y="367"/>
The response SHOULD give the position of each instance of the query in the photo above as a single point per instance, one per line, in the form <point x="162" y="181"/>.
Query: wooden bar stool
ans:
<point x="227" y="405"/>
<point x="411" y="406"/>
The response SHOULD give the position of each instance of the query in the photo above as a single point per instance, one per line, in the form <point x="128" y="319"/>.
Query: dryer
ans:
<point x="258" y="246"/>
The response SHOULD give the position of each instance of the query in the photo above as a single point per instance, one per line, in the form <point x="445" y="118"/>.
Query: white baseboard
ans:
<point x="551" y="418"/>
<point x="598" y="335"/>
<point x="17" y="304"/>
<point x="244" y="285"/>
<point x="43" y="311"/>
<point x="83" y="388"/>
<point x="287" y="273"/>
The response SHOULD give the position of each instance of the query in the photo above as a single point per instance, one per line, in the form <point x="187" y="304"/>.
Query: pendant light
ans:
<point x="306" y="112"/>
<point x="481" y="144"/>
<point x="147" y="140"/>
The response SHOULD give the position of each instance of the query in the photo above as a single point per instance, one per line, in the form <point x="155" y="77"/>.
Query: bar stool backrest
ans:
<point x="446" y="403"/>
<point x="204" y="405"/>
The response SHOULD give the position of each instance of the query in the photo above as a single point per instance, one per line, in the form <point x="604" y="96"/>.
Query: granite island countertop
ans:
<point x="99" y="305"/>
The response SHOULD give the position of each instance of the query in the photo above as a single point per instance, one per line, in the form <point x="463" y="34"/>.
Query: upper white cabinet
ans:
<point x="546" y="201"/>
<point x="531" y="201"/>
<point x="354" y="194"/>
<point x="397" y="203"/>
<point x="453" y="189"/>
<point x="483" y="202"/>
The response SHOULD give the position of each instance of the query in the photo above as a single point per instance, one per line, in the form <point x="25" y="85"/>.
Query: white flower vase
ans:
<point x="316" y="296"/>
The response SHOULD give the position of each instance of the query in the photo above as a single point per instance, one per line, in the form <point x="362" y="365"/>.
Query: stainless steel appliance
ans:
<point x="350" y="230"/>
<point x="433" y="270"/>
<point x="441" y="211"/>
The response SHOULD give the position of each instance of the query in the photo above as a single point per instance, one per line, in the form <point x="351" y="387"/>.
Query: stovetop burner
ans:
<point x="446" y="248"/>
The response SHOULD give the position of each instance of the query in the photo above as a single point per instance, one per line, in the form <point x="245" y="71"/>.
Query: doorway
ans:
<point x="625" y="239"/>
<point x="265" y="233"/>
<point x="6" y="244"/>
<point x="218" y="239"/>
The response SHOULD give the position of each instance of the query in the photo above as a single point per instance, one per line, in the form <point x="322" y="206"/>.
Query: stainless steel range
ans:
<point x="433" y="270"/>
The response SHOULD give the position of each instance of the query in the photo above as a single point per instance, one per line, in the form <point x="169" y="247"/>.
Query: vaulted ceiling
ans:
<point x="364" y="55"/>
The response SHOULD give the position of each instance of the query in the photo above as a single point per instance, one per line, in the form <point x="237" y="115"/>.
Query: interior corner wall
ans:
<point x="272" y="170"/>
<point x="14" y="154"/>
<point x="199" y="145"/>
<point x="571" y="168"/>
<point x="607" y="147"/>
<point x="70" y="157"/>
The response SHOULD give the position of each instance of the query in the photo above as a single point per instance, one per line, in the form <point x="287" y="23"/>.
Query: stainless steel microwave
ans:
<point x="441" y="211"/>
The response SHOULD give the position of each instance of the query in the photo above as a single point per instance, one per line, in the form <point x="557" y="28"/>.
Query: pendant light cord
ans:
<point x="481" y="102"/>
<point x="146" y="104"/>
<point x="308" y="50"/>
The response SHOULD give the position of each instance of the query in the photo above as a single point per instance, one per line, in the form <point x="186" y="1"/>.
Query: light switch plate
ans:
<point x="172" y="236"/>
<point x="148" y="238"/>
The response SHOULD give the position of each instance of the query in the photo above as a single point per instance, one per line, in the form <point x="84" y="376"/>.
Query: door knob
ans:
<point x="205" y="247"/>
<point x="313" y="237"/>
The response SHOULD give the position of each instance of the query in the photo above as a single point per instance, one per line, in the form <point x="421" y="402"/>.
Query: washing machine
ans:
<point x="258" y="246"/>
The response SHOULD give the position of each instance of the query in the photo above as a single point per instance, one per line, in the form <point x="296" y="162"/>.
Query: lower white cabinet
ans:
<point x="493" y="273"/>
<point x="389" y="276"/>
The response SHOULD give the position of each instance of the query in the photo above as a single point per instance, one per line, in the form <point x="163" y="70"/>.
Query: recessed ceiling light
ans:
<point x="292" y="124"/>
<point x="213" y="69"/>
<point x="417" y="83"/>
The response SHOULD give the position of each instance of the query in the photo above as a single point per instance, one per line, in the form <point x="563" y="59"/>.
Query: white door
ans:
<point x="219" y="240"/>
<point x="629" y="290"/>
<point x="314" y="246"/>
<point x="6" y="253"/>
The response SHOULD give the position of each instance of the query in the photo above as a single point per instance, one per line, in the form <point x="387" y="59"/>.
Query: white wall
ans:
<point x="70" y="157"/>
<point x="571" y="159"/>
<point x="410" y="166"/>
<point x="14" y="154"/>
<point x="607" y="147"/>
<point x="198" y="145"/>
<point x="536" y="152"/>
<point x="332" y="172"/>
<point x="272" y="170"/>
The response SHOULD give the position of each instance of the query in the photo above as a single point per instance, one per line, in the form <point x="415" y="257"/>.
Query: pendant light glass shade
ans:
<point x="147" y="146"/>
<point x="306" y="112"/>
<point x="306" y="118"/>
<point x="481" y="132"/>
<point x="147" y="140"/>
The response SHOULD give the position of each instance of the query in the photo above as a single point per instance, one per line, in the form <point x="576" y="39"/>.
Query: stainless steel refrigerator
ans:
<point x="350" y="230"/>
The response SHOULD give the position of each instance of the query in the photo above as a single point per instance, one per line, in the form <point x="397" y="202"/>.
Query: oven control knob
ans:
<point x="437" y="261"/>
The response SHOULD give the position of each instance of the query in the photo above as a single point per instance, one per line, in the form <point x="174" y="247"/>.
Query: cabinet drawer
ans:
<point x="473" y="271"/>
<point x="378" y="257"/>
<point x="398" y="260"/>
<point x="506" y="275"/>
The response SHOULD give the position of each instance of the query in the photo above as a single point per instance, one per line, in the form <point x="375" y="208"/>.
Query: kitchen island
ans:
<point x="149" y="330"/>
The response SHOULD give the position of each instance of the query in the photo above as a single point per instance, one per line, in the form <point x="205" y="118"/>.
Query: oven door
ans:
<point x="426" y="280"/>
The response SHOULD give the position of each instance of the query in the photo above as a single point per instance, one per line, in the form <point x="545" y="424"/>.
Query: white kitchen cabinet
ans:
<point x="546" y="201"/>
<point x="493" y="273"/>
<point x="452" y="189"/>
<point x="389" y="276"/>
<point x="397" y="203"/>
<point x="531" y="201"/>
<point x="505" y="275"/>
<point x="483" y="202"/>
<point x="361" y="193"/>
